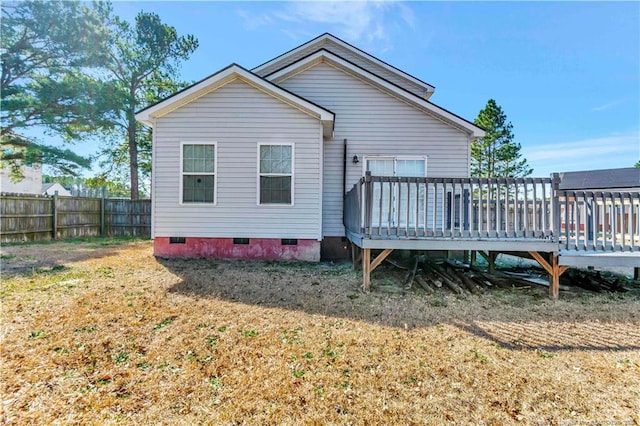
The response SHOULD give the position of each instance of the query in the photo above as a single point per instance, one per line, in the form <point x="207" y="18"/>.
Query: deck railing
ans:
<point x="599" y="221"/>
<point x="418" y="207"/>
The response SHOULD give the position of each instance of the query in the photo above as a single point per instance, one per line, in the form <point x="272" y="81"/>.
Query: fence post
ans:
<point x="54" y="215"/>
<point x="102" y="202"/>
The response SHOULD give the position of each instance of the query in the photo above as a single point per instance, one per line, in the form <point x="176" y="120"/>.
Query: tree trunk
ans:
<point x="133" y="150"/>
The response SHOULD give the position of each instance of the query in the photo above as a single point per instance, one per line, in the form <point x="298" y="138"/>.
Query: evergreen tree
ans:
<point x="496" y="154"/>
<point x="144" y="60"/>
<point x="50" y="53"/>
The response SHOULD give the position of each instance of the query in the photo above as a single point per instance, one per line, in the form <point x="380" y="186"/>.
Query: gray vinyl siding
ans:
<point x="374" y="123"/>
<point x="357" y="59"/>
<point x="237" y="116"/>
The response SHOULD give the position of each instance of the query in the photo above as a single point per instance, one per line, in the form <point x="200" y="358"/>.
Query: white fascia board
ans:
<point x="326" y="56"/>
<point x="225" y="76"/>
<point x="429" y="89"/>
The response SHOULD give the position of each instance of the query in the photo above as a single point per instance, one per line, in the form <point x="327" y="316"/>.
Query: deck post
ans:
<point x="555" y="207"/>
<point x="636" y="274"/>
<point x="553" y="269"/>
<point x="492" y="261"/>
<point x="368" y="203"/>
<point x="368" y="266"/>
<point x="355" y="255"/>
<point x="366" y="272"/>
<point x="554" y="287"/>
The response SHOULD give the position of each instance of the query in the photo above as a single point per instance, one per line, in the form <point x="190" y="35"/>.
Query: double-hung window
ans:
<point x="275" y="170"/>
<point x="198" y="172"/>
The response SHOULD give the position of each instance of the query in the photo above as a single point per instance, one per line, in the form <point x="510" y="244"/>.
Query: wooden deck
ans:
<point x="557" y="228"/>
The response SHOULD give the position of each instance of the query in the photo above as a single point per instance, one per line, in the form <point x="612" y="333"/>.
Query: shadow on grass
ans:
<point x="26" y="259"/>
<point x="514" y="319"/>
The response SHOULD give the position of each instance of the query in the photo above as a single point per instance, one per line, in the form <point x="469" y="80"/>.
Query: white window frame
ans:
<point x="215" y="173"/>
<point x="292" y="174"/>
<point x="395" y="159"/>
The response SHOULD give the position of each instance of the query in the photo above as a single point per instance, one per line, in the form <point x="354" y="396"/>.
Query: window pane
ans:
<point x="286" y="159"/>
<point x="198" y="188"/>
<point x="264" y="152"/>
<point x="275" y="159"/>
<point x="275" y="189"/>
<point x="410" y="168"/>
<point x="198" y="159"/>
<point x="380" y="167"/>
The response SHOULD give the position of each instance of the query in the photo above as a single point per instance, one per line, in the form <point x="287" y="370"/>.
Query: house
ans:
<point x="53" y="188"/>
<point x="256" y="163"/>
<point x="621" y="180"/>
<point x="30" y="184"/>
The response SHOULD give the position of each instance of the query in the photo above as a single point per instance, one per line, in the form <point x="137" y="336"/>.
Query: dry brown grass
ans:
<point x="96" y="334"/>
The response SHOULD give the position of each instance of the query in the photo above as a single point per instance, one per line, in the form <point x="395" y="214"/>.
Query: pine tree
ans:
<point x="496" y="154"/>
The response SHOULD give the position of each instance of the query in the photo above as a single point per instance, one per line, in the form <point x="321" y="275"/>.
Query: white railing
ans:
<point x="599" y="221"/>
<point x="451" y="207"/>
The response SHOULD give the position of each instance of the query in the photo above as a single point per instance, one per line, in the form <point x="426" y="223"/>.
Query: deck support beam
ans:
<point x="368" y="266"/>
<point x="490" y="257"/>
<point x="356" y="255"/>
<point x="553" y="269"/>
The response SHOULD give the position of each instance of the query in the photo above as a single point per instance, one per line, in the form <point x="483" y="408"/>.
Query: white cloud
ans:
<point x="364" y="22"/>
<point x="608" y="105"/>
<point x="253" y="21"/>
<point x="613" y="151"/>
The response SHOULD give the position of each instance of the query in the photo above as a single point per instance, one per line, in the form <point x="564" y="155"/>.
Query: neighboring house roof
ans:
<point x="226" y="75"/>
<point x="46" y="186"/>
<point x="327" y="39"/>
<point x="51" y="188"/>
<point x="324" y="56"/>
<point x="607" y="179"/>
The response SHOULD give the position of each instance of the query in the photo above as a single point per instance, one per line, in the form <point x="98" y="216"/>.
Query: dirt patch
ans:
<point x="100" y="333"/>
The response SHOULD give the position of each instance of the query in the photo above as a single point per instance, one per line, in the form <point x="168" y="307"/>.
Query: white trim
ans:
<point x="328" y="57"/>
<point x="224" y="77"/>
<point x="215" y="173"/>
<point x="321" y="197"/>
<point x="429" y="89"/>
<point x="292" y="174"/>
<point x="153" y="180"/>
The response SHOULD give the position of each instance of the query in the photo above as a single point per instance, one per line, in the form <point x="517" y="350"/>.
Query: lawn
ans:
<point x="103" y="333"/>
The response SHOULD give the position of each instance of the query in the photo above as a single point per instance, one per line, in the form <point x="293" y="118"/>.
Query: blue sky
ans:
<point x="566" y="74"/>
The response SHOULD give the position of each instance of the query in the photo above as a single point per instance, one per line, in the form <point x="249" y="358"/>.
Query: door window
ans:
<point x="397" y="197"/>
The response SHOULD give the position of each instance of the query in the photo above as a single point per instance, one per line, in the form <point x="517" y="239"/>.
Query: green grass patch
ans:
<point x="165" y="322"/>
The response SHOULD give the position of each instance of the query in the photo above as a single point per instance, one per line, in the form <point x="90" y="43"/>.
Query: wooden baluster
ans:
<point x="536" y="225"/>
<point x="406" y="225"/>
<point x="418" y="203"/>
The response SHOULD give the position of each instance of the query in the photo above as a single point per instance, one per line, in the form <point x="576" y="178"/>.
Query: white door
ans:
<point x="394" y="196"/>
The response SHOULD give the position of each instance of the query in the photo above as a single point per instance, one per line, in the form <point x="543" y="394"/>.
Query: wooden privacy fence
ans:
<point x="40" y="218"/>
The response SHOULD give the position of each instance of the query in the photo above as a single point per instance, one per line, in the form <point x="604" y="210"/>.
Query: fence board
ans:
<point x="25" y="217"/>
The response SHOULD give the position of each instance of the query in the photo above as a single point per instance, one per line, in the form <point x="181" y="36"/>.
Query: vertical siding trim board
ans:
<point x="293" y="173"/>
<point x="215" y="172"/>
<point x="320" y="187"/>
<point x="153" y="177"/>
<point x="223" y="248"/>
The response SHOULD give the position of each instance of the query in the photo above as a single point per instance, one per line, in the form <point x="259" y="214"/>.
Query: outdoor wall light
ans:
<point x="355" y="159"/>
